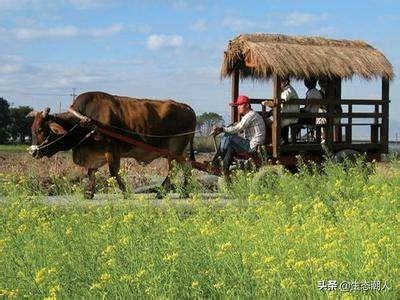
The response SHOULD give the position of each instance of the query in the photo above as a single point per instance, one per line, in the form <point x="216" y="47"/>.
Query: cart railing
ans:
<point x="376" y="117"/>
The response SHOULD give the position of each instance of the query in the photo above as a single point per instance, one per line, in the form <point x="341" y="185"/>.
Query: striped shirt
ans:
<point x="253" y="126"/>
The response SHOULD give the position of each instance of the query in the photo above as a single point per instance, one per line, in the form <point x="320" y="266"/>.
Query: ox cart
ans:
<point x="271" y="57"/>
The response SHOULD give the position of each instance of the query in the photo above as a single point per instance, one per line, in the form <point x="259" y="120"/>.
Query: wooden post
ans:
<point x="337" y="132"/>
<point x="276" y="114"/>
<point x="349" y="127"/>
<point x="385" y="115"/>
<point x="375" y="126"/>
<point x="234" y="95"/>
<point x="331" y="95"/>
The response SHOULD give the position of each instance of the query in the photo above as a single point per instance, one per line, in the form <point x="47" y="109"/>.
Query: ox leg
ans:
<point x="89" y="193"/>
<point x="113" y="167"/>
<point x="186" y="168"/>
<point x="166" y="185"/>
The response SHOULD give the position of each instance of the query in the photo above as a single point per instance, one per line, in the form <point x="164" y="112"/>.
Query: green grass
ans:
<point x="278" y="236"/>
<point x="13" y="148"/>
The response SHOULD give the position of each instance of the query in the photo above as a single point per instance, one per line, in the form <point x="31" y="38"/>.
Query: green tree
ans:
<point x="207" y="120"/>
<point x="4" y="120"/>
<point x="19" y="127"/>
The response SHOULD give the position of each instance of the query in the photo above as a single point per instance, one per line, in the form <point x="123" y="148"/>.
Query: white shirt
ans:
<point x="313" y="94"/>
<point x="289" y="93"/>
<point x="253" y="126"/>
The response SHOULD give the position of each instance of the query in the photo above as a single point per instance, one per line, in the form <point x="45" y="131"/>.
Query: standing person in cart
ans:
<point x="253" y="127"/>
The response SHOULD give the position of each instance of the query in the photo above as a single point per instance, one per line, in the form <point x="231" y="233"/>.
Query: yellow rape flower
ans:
<point x="41" y="274"/>
<point x="170" y="257"/>
<point x="269" y="259"/>
<point x="8" y="293"/>
<point x="195" y="284"/>
<point x="54" y="290"/>
<point x="21" y="229"/>
<point x="128" y="217"/>
<point x="207" y="229"/>
<point x="124" y="240"/>
<point x="218" y="285"/>
<point x="105" y="277"/>
<point x="110" y="263"/>
<point x="226" y="246"/>
<point x="108" y="250"/>
<point x="68" y="231"/>
<point x="23" y="214"/>
<point x="297" y="208"/>
<point x="287" y="283"/>
<point x="140" y="274"/>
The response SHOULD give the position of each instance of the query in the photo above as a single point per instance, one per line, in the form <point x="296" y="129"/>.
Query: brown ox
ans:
<point x="157" y="123"/>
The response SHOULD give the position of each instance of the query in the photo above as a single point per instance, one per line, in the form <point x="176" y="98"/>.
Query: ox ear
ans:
<point x="57" y="128"/>
<point x="45" y="112"/>
<point x="32" y="114"/>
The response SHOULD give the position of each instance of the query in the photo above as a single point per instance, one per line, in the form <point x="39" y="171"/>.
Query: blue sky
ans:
<point x="169" y="49"/>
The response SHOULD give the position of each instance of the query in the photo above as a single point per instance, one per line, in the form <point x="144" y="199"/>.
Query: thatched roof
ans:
<point x="259" y="56"/>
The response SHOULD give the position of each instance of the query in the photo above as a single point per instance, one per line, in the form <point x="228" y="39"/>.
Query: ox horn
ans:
<point x="32" y="114"/>
<point x="45" y="112"/>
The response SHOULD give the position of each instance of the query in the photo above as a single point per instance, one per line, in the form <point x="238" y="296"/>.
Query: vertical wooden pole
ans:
<point x="331" y="95"/>
<point x="349" y="127"/>
<point x="375" y="126"/>
<point x="337" y="132"/>
<point x="276" y="114"/>
<point x="385" y="115"/>
<point x="234" y="95"/>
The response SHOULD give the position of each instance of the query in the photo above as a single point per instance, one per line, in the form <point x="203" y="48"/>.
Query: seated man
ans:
<point x="253" y="126"/>
<point x="312" y="93"/>
<point x="288" y="93"/>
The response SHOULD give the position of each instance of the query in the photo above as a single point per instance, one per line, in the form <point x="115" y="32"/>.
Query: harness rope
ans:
<point x="44" y="145"/>
<point x="87" y="119"/>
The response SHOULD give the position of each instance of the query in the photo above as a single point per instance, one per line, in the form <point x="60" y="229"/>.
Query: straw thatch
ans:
<point x="259" y="56"/>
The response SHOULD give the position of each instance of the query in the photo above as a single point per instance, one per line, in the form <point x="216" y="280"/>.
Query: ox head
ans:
<point x="44" y="131"/>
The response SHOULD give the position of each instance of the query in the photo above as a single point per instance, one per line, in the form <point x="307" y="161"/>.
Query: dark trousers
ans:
<point x="229" y="145"/>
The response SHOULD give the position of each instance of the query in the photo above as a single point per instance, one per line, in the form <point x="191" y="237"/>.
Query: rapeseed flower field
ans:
<point x="323" y="232"/>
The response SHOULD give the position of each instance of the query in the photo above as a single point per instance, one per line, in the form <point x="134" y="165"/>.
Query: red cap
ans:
<point x="242" y="99"/>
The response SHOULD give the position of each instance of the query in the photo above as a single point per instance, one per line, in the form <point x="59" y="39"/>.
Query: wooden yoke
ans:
<point x="276" y="114"/>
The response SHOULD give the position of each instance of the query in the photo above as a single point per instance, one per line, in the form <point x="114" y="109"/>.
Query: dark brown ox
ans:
<point x="162" y="124"/>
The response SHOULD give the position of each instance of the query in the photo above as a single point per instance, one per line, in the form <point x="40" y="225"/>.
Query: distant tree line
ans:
<point x="14" y="126"/>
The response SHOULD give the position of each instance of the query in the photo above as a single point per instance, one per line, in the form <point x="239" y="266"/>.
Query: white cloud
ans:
<point x="188" y="4"/>
<point x="64" y="32"/>
<point x="156" y="41"/>
<point x="13" y="5"/>
<point x="31" y="33"/>
<point x="237" y="23"/>
<point x="106" y="31"/>
<point x="10" y="64"/>
<point x="87" y="4"/>
<point x="296" y="19"/>
<point x="199" y="25"/>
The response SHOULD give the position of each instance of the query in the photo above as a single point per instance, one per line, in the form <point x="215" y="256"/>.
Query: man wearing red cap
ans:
<point x="253" y="127"/>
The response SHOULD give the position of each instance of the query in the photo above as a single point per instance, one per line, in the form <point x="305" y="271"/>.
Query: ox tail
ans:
<point x="191" y="156"/>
